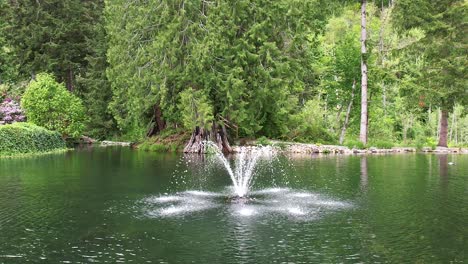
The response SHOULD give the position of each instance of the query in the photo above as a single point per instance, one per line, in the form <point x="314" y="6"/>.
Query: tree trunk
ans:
<point x="226" y="145"/>
<point x="200" y="137"/>
<point x="158" y="123"/>
<point x="161" y="124"/>
<point x="338" y="115"/>
<point x="69" y="79"/>
<point x="364" y="122"/>
<point x="348" y="111"/>
<point x="197" y="141"/>
<point x="443" y="129"/>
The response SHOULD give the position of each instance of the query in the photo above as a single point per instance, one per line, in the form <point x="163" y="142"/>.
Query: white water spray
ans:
<point x="245" y="162"/>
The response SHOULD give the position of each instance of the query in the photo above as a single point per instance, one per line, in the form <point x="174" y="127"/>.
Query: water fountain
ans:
<point x="246" y="161"/>
<point x="241" y="199"/>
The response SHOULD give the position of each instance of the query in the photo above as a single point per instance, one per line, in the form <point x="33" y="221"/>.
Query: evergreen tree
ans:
<point x="50" y="35"/>
<point x="251" y="58"/>
<point x="442" y="79"/>
<point x="93" y="85"/>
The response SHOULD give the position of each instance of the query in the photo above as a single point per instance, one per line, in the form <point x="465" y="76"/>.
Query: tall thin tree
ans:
<point x="364" y="121"/>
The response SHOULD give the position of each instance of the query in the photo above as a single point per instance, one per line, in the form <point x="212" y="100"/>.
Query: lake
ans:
<point x="110" y="205"/>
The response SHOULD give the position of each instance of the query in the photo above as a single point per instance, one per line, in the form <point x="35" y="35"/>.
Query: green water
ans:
<point x="96" y="205"/>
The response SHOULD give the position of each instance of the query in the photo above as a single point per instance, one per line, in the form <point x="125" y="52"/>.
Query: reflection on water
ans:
<point x="118" y="205"/>
<point x="364" y="175"/>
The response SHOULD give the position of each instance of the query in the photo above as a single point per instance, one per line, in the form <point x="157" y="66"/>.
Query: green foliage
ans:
<point x="195" y="109"/>
<point x="157" y="147"/>
<point x="441" y="80"/>
<point x="48" y="104"/>
<point x="7" y="67"/>
<point x="24" y="138"/>
<point x="169" y="140"/>
<point x="49" y="36"/>
<point x="13" y="91"/>
<point x="309" y="125"/>
<point x="275" y="69"/>
<point x="352" y="143"/>
<point x="381" y="144"/>
<point x="250" y="58"/>
<point x="263" y="141"/>
<point x="94" y="87"/>
<point x="381" y="126"/>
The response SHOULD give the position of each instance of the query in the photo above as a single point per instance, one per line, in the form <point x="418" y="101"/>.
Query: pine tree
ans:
<point x="50" y="36"/>
<point x="442" y="79"/>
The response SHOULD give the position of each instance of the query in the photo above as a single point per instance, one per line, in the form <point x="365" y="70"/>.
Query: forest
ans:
<point x="354" y="73"/>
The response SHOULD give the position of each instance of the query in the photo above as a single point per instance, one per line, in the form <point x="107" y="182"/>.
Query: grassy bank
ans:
<point x="167" y="141"/>
<point x="20" y="139"/>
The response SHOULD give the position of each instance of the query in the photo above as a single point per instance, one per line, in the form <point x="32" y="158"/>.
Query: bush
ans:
<point x="382" y="144"/>
<point x="263" y="141"/>
<point x="49" y="104"/>
<point x="310" y="125"/>
<point x="11" y="112"/>
<point x="23" y="138"/>
<point x="354" y="144"/>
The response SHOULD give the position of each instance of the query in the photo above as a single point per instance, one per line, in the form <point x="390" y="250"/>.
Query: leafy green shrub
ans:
<point x="49" y="104"/>
<point x="263" y="141"/>
<point x="157" y="147"/>
<point x="431" y="142"/>
<point x="310" y="124"/>
<point x="382" y="144"/>
<point x="23" y="138"/>
<point x="354" y="144"/>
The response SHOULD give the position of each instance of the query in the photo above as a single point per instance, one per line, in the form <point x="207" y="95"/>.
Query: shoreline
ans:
<point x="304" y="148"/>
<point x="307" y="148"/>
<point x="34" y="154"/>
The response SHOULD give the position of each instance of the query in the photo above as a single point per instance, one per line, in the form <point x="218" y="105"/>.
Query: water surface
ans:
<point x="111" y="205"/>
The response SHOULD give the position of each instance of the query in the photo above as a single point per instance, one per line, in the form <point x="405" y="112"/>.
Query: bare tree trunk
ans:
<point x="443" y="129"/>
<point x="364" y="121"/>
<point x="200" y="137"/>
<point x="348" y="111"/>
<point x="338" y="114"/>
<point x="226" y="145"/>
<point x="196" y="143"/>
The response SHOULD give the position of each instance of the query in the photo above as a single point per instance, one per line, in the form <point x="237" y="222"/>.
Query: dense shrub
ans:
<point x="382" y="144"/>
<point x="352" y="143"/>
<point x="310" y="125"/>
<point x="10" y="112"/>
<point x="263" y="141"/>
<point x="22" y="138"/>
<point x="49" y="104"/>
